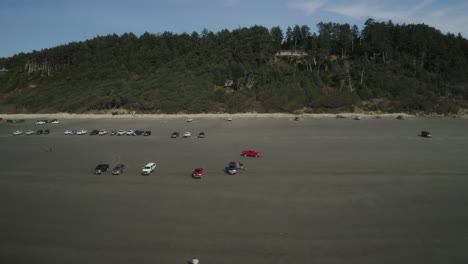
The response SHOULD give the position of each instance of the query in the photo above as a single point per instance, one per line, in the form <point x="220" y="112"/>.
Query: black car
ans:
<point x="175" y="134"/>
<point x="425" y="134"/>
<point x="201" y="135"/>
<point x="14" y="121"/>
<point x="138" y="132"/>
<point x="94" y="132"/>
<point x="46" y="132"/>
<point x="118" y="169"/>
<point x="39" y="132"/>
<point x="147" y="133"/>
<point x="101" y="168"/>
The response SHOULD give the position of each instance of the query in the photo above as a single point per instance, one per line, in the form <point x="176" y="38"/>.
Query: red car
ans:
<point x="197" y="173"/>
<point x="250" y="153"/>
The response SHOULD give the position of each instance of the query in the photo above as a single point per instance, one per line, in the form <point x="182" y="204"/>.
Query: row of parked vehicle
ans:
<point x="32" y="132"/>
<point x="45" y="121"/>
<point x="187" y="135"/>
<point x="103" y="132"/>
<point x="119" y="168"/>
<point x="197" y="173"/>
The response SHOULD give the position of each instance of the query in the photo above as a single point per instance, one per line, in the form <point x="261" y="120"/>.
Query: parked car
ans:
<point x="113" y="133"/>
<point x="41" y="122"/>
<point x="400" y="117"/>
<point x="118" y="169"/>
<point x="201" y="135"/>
<point x="296" y="118"/>
<point x="121" y="132"/>
<point x="14" y="121"/>
<point x="101" y="168"/>
<point x="147" y="133"/>
<point x="175" y="134"/>
<point x="82" y="132"/>
<point x="187" y="134"/>
<point x="197" y="173"/>
<point x="102" y="132"/>
<point x="357" y="118"/>
<point x="130" y="132"/>
<point x="233" y="167"/>
<point x="46" y="132"/>
<point x="229" y="119"/>
<point x="250" y="153"/>
<point x="94" y="132"/>
<point x="30" y="132"/>
<point x="17" y="133"/>
<point x="54" y="121"/>
<point x="39" y="132"/>
<point x="425" y="134"/>
<point x="190" y="120"/>
<point x="148" y="168"/>
<point x="138" y="133"/>
<point x="68" y="132"/>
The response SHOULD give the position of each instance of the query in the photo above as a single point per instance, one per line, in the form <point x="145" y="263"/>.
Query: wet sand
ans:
<point x="325" y="190"/>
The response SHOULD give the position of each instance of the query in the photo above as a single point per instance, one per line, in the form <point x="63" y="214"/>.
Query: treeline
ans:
<point x="386" y="67"/>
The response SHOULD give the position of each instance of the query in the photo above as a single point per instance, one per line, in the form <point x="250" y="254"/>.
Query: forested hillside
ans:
<point x="387" y="67"/>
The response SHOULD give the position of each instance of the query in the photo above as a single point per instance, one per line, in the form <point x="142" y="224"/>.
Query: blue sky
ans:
<point x="27" y="25"/>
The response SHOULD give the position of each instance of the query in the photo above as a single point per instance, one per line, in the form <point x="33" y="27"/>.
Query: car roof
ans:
<point x="150" y="164"/>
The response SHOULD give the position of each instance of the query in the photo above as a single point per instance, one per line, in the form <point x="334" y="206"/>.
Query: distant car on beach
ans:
<point x="118" y="169"/>
<point x="148" y="168"/>
<point x="197" y="173"/>
<point x="82" y="132"/>
<point x="250" y="153"/>
<point x="101" y="168"/>
<point x="425" y="134"/>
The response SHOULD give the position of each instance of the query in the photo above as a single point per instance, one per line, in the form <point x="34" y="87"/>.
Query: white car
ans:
<point x="30" y="132"/>
<point x="68" y="132"/>
<point x="187" y="135"/>
<point x="54" y="121"/>
<point x="148" y="169"/>
<point x="130" y="132"/>
<point x="102" y="132"/>
<point x="17" y="133"/>
<point x="41" y="122"/>
<point x="190" y="120"/>
<point x="229" y="119"/>
<point x="121" y="132"/>
<point x="81" y="132"/>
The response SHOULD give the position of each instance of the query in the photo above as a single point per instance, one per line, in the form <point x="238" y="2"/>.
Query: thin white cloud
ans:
<point x="308" y="6"/>
<point x="231" y="3"/>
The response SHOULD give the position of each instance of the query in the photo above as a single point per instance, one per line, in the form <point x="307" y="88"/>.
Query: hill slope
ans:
<point x="383" y="67"/>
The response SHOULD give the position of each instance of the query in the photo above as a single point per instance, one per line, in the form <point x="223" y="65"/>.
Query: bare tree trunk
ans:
<point x="422" y="61"/>
<point x="362" y="77"/>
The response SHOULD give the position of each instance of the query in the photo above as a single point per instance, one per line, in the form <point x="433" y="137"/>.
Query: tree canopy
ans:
<point x="386" y="67"/>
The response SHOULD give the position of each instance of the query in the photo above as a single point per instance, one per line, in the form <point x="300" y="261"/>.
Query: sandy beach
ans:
<point x="326" y="190"/>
